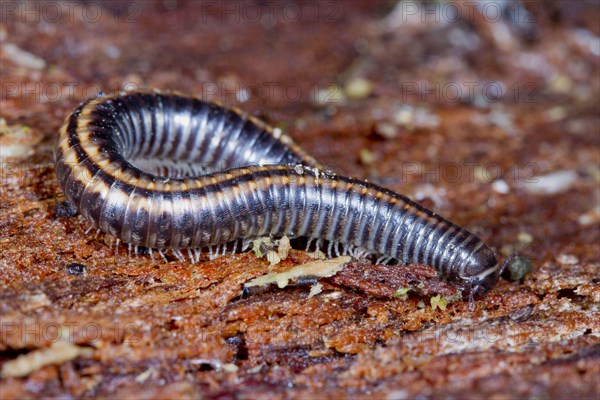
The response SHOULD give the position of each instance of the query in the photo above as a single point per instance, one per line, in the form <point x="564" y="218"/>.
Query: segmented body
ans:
<point x="168" y="171"/>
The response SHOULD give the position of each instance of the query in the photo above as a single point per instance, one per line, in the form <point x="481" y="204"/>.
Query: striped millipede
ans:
<point x="169" y="171"/>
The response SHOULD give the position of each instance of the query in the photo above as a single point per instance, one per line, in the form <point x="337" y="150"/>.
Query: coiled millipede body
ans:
<point x="168" y="171"/>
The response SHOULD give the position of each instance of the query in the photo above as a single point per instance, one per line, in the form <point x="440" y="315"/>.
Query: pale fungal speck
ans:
<point x="555" y="182"/>
<point x="500" y="186"/>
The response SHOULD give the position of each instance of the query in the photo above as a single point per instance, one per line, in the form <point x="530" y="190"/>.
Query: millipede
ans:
<point x="168" y="171"/>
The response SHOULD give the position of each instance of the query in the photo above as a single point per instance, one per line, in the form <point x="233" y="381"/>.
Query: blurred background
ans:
<point x="486" y="111"/>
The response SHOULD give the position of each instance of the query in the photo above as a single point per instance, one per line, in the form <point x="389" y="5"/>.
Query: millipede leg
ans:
<point x="162" y="254"/>
<point x="179" y="255"/>
<point x="308" y="243"/>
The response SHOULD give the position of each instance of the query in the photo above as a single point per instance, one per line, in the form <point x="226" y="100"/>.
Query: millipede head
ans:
<point x="481" y="271"/>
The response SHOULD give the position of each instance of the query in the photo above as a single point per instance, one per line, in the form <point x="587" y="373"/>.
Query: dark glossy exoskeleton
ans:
<point x="168" y="171"/>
